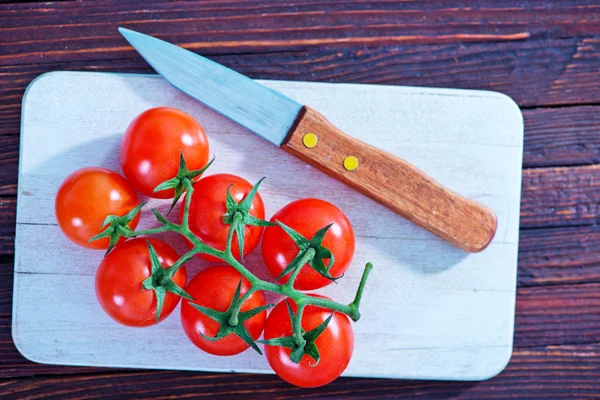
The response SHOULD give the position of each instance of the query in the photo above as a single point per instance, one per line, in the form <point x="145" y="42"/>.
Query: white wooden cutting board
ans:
<point x="430" y="311"/>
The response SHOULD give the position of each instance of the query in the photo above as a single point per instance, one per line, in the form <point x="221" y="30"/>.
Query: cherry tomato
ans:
<point x="335" y="345"/>
<point x="307" y="216"/>
<point x="208" y="206"/>
<point x="150" y="148"/>
<point x="119" y="282"/>
<point x="214" y="288"/>
<point x="86" y="198"/>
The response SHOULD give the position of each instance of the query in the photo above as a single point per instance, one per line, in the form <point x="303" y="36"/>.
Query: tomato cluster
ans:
<point x="141" y="280"/>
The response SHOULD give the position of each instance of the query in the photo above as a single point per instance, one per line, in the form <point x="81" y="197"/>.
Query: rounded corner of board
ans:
<point x="511" y="105"/>
<point x="497" y="367"/>
<point x="512" y="114"/>
<point x="24" y="347"/>
<point x="39" y="79"/>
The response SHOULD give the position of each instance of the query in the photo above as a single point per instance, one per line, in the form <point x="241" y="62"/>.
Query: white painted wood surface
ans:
<point x="430" y="311"/>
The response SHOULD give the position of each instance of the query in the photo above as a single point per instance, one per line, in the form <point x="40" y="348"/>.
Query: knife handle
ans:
<point x="391" y="181"/>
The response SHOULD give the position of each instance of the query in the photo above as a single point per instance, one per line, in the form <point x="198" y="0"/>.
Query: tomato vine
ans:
<point x="311" y="253"/>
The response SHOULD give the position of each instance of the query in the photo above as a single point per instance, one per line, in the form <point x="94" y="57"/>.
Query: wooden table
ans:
<point x="544" y="54"/>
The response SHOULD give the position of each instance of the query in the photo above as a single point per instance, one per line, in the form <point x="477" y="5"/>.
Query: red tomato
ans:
<point x="208" y="206"/>
<point x="119" y="282"/>
<point x="335" y="345"/>
<point x="307" y="216"/>
<point x="150" y="148"/>
<point x="86" y="198"/>
<point x="214" y="288"/>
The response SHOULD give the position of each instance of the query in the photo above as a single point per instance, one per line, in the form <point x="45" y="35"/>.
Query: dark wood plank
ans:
<point x="565" y="196"/>
<point x="7" y="225"/>
<point x="562" y="372"/>
<point x="9" y="163"/>
<point x="561" y="136"/>
<point x="559" y="256"/>
<point x="88" y="27"/>
<point x="534" y="72"/>
<point x="561" y="314"/>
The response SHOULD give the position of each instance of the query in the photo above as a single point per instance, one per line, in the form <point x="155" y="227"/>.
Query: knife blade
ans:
<point x="307" y="134"/>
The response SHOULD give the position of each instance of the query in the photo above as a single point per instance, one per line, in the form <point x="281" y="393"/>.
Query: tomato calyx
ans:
<point x="116" y="227"/>
<point x="238" y="214"/>
<point x="161" y="281"/>
<point x="307" y="247"/>
<point x="183" y="180"/>
<point x="231" y="321"/>
<point x="302" y="342"/>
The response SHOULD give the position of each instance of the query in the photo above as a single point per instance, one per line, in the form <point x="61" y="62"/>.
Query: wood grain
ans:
<point x="551" y="256"/>
<point x="252" y="27"/>
<point x="554" y="372"/>
<point x="533" y="72"/>
<point x="7" y="225"/>
<point x="394" y="183"/>
<point x="561" y="136"/>
<point x="561" y="314"/>
<point x="563" y="196"/>
<point x="9" y="162"/>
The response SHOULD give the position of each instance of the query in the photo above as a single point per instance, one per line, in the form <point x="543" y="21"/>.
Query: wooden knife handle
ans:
<point x="392" y="182"/>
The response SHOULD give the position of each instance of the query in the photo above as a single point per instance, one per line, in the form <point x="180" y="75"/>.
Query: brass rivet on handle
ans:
<point x="310" y="140"/>
<point x="350" y="163"/>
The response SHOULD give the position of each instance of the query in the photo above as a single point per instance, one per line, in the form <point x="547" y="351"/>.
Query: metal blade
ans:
<point x="260" y="109"/>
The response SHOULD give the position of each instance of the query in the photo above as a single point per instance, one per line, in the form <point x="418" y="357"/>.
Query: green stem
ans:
<point x="189" y="190"/>
<point x="228" y="257"/>
<point x="229" y="240"/>
<point x="297" y="328"/>
<point x="349" y="309"/>
<point x="175" y="267"/>
<point x="236" y="220"/>
<point x="352" y="309"/>
<point x="308" y="255"/>
<point x="255" y="281"/>
<point x="257" y="284"/>
<point x="233" y="320"/>
<point x="361" y="286"/>
<point x="146" y="232"/>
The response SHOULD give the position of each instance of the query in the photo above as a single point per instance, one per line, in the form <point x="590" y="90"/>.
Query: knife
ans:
<point x="305" y="133"/>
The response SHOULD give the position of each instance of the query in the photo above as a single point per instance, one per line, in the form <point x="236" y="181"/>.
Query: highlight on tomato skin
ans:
<point x="335" y="344"/>
<point x="119" y="280"/>
<point x="307" y="216"/>
<point x="214" y="287"/>
<point x="84" y="200"/>
<point x="208" y="207"/>
<point x="152" y="144"/>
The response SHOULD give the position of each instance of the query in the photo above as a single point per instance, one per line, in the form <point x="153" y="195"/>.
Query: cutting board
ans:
<point x="430" y="311"/>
